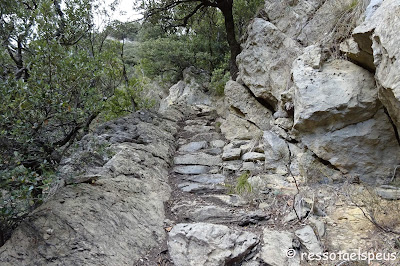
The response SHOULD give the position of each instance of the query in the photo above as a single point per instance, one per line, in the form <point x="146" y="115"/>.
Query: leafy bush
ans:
<point x="218" y="80"/>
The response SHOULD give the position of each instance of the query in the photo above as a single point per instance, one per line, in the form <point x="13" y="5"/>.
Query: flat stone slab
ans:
<point x="199" y="122"/>
<point x="388" y="192"/>
<point x="231" y="154"/>
<point x="276" y="246"/>
<point x="198" y="128"/>
<point x="253" y="156"/>
<point x="218" y="143"/>
<point x="205" y="136"/>
<point x="308" y="238"/>
<point x="213" y="151"/>
<point x="232" y="165"/>
<point x="193" y="146"/>
<point x="197" y="159"/>
<point x="206" y="179"/>
<point x="191" y="169"/>
<point x="199" y="188"/>
<point x="209" y="244"/>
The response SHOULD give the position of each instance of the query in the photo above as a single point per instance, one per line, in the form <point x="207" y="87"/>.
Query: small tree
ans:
<point x="177" y="13"/>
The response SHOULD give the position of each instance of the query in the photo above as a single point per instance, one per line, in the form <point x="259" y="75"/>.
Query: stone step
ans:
<point x="198" y="129"/>
<point x="197" y="159"/>
<point x="205" y="136"/>
<point x="197" y="122"/>
<point x="193" y="146"/>
<point x="191" y="169"/>
<point x="199" y="188"/>
<point x="205" y="178"/>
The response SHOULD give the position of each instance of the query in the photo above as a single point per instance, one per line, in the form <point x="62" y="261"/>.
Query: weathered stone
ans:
<point x="126" y="200"/>
<point x="191" y="169"/>
<point x="232" y="165"/>
<point x="264" y="63"/>
<point x="217" y="143"/>
<point x="205" y="137"/>
<point x="198" y="129"/>
<point x="291" y="16"/>
<point x="319" y="226"/>
<point x="201" y="188"/>
<point x="240" y="98"/>
<point x="232" y="154"/>
<point x="352" y="51"/>
<point x="368" y="150"/>
<point x="197" y="158"/>
<point x="206" y="179"/>
<point x="379" y="36"/>
<point x="189" y="91"/>
<point x="193" y="146"/>
<point x="309" y="240"/>
<point x="235" y="127"/>
<point x="276" y="247"/>
<point x="253" y="156"/>
<point x="208" y="244"/>
<point x="340" y="94"/>
<point x="277" y="155"/>
<point x="388" y="192"/>
<point x="230" y="200"/>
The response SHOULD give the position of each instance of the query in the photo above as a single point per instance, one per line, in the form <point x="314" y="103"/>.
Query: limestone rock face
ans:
<point x="240" y="98"/>
<point x="235" y="127"/>
<point x="114" y="220"/>
<point x="379" y="35"/>
<point x="265" y="62"/>
<point x="189" y="91"/>
<point x="368" y="149"/>
<point x="208" y="244"/>
<point x="338" y="94"/>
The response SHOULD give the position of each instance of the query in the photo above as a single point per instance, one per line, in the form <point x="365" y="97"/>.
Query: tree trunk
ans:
<point x="226" y="8"/>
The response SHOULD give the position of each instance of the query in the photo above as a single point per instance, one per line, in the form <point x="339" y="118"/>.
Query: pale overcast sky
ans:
<point x="124" y="11"/>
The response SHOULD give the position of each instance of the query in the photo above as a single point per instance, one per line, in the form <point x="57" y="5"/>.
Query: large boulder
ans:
<point x="265" y="61"/>
<point x="240" y="98"/>
<point x="338" y="94"/>
<point x="235" y="127"/>
<point x="308" y="21"/>
<point x="368" y="150"/>
<point x="379" y="36"/>
<point x="209" y="244"/>
<point x="189" y="91"/>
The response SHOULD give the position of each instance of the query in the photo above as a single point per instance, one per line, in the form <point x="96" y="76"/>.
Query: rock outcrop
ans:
<point x="114" y="217"/>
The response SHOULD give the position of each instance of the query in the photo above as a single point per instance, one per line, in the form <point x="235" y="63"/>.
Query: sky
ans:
<point x="124" y="11"/>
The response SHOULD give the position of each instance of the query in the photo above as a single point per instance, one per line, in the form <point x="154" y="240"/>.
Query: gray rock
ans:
<point x="307" y="237"/>
<point x="206" y="179"/>
<point x="191" y="169"/>
<point x="388" y="192"/>
<point x="240" y="98"/>
<point x="232" y="165"/>
<point x="217" y="143"/>
<point x="213" y="151"/>
<point x="197" y="159"/>
<point x="379" y="37"/>
<point x="201" y="188"/>
<point x="235" y="127"/>
<point x="368" y="150"/>
<point x="198" y="129"/>
<point x="126" y="200"/>
<point x="232" y="154"/>
<point x="277" y="155"/>
<point x="230" y="200"/>
<point x="264" y="63"/>
<point x="189" y="91"/>
<point x="319" y="226"/>
<point x="276" y="247"/>
<point x="193" y="146"/>
<point x="205" y="137"/>
<point x="253" y="156"/>
<point x="208" y="244"/>
<point x="339" y="94"/>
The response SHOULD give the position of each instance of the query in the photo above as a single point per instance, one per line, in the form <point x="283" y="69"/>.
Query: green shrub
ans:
<point x="218" y="80"/>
